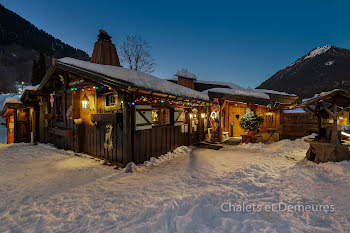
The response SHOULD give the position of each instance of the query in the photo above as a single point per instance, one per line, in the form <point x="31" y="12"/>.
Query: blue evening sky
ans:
<point x="244" y="42"/>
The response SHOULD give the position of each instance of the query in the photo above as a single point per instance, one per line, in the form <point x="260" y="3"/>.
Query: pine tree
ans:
<point x="34" y="73"/>
<point x="41" y="67"/>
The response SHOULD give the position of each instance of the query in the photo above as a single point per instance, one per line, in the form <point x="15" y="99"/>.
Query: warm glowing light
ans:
<point x="191" y="116"/>
<point x="203" y="115"/>
<point x="85" y="102"/>
<point x="213" y="115"/>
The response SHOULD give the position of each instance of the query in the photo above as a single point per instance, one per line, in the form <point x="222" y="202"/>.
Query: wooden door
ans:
<point x="236" y="112"/>
<point x="23" y="125"/>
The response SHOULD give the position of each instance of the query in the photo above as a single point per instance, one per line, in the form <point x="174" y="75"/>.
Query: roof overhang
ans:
<point x="239" y="98"/>
<point x="337" y="96"/>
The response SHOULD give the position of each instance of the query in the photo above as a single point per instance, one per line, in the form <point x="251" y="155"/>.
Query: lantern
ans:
<point x="85" y="102"/>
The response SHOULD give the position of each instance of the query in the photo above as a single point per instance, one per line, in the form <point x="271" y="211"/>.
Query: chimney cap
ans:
<point x="104" y="36"/>
<point x="184" y="73"/>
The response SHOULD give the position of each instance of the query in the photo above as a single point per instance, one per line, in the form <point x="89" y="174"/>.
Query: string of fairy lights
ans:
<point x="141" y="99"/>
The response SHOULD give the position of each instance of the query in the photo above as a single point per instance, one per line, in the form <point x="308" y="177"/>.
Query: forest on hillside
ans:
<point x="21" y="42"/>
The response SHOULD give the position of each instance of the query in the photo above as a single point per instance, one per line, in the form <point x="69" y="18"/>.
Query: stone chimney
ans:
<point x="105" y="52"/>
<point x="185" y="78"/>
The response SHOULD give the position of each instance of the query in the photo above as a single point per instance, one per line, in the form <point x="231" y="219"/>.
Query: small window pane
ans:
<point x="110" y="100"/>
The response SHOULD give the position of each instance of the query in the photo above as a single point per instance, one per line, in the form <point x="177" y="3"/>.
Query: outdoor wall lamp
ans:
<point x="85" y="102"/>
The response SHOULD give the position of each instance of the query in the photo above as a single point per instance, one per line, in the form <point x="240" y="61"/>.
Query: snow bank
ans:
<point x="138" y="79"/>
<point x="293" y="149"/>
<point x="182" y="150"/>
<point x="44" y="189"/>
<point x="185" y="73"/>
<point x="130" y="168"/>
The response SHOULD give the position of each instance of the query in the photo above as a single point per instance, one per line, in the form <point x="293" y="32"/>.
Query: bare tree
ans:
<point x="135" y="53"/>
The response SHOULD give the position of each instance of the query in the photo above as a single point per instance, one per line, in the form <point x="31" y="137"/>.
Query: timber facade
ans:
<point x="120" y="115"/>
<point x="84" y="109"/>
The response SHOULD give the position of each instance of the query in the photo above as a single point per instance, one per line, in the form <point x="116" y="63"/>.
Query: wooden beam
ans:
<point x="159" y="94"/>
<point x="334" y="137"/>
<point x="343" y="110"/>
<point x="327" y="110"/>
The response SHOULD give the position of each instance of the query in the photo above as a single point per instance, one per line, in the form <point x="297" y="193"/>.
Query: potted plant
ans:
<point x="251" y="122"/>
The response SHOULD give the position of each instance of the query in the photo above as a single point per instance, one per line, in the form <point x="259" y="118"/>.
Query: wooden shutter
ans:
<point x="143" y="117"/>
<point x="179" y="116"/>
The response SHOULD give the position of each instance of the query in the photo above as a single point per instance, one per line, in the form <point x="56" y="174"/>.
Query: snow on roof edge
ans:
<point x="138" y="79"/>
<point x="12" y="100"/>
<point x="267" y="91"/>
<point x="246" y="92"/>
<point x="32" y="88"/>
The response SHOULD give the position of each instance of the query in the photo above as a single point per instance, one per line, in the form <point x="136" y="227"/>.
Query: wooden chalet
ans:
<point x="22" y="117"/>
<point x="120" y="115"/>
<point x="231" y="102"/>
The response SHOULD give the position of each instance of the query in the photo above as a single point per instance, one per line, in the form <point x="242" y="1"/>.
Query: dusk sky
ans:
<point x="244" y="42"/>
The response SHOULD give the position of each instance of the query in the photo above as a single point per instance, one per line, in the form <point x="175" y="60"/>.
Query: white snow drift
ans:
<point x="44" y="189"/>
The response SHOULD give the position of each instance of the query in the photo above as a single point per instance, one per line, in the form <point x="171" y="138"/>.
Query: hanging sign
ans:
<point x="52" y="100"/>
<point x="76" y="82"/>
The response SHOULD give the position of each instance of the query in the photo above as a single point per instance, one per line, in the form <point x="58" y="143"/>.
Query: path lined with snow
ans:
<point x="45" y="189"/>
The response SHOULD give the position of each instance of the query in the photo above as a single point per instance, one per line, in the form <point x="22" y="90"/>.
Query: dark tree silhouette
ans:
<point x="135" y="54"/>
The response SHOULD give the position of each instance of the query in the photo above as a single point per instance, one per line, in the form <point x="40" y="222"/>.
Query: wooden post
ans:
<point x="15" y="126"/>
<point x="334" y="138"/>
<point x="127" y="130"/>
<point x="318" y="115"/>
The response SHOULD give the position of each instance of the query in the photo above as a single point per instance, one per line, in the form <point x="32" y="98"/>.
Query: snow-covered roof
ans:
<point x="320" y="95"/>
<point x="266" y="91"/>
<point x="12" y="100"/>
<point x="231" y="85"/>
<point x="341" y="97"/>
<point x="32" y="88"/>
<point x="138" y="79"/>
<point x="242" y="92"/>
<point x="185" y="73"/>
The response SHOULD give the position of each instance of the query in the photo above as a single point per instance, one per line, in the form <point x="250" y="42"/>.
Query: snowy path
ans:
<point x="45" y="189"/>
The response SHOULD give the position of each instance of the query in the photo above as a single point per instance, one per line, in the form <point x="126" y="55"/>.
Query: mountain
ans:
<point x="323" y="69"/>
<point x="21" y="42"/>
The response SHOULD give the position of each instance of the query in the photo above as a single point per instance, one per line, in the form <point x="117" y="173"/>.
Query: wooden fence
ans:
<point x="145" y="144"/>
<point x="157" y="141"/>
<point x="296" y="125"/>
<point x="93" y="139"/>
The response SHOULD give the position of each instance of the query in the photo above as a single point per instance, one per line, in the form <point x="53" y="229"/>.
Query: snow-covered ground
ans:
<point x="43" y="189"/>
